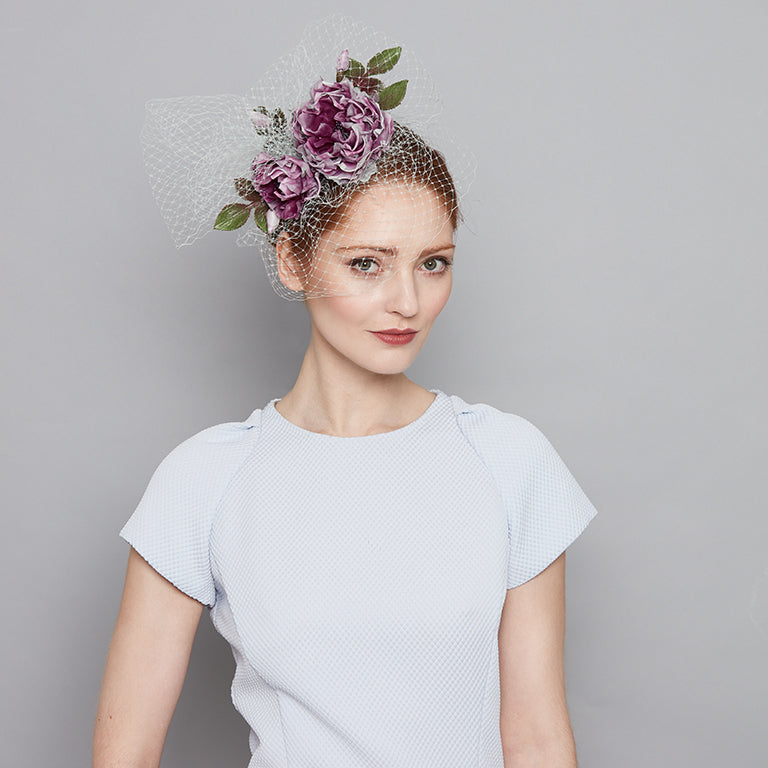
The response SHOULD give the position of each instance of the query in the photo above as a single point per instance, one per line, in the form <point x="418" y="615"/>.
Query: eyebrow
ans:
<point x="393" y="251"/>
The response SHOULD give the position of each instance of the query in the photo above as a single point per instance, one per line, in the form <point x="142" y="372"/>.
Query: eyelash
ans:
<point x="355" y="263"/>
<point x="447" y="263"/>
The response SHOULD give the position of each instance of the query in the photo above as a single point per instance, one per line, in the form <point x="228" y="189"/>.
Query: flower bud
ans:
<point x="342" y="65"/>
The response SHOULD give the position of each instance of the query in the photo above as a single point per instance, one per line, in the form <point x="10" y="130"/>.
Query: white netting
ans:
<point x="337" y="170"/>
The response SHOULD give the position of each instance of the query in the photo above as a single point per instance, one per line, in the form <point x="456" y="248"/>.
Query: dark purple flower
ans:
<point x="284" y="183"/>
<point x="341" y="131"/>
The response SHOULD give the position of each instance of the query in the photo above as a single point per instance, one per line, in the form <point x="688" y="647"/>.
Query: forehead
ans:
<point x="406" y="217"/>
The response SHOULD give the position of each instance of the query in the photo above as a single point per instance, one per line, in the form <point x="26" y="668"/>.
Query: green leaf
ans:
<point x="232" y="216"/>
<point x="384" y="61"/>
<point x="260" y="217"/>
<point x="278" y="118"/>
<point x="393" y="94"/>
<point x="370" y="85"/>
<point x="355" y="69"/>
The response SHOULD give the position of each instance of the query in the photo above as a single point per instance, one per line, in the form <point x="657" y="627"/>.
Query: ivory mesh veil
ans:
<point x="339" y="145"/>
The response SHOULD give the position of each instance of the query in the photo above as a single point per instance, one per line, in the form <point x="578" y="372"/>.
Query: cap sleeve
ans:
<point x="171" y="526"/>
<point x="545" y="506"/>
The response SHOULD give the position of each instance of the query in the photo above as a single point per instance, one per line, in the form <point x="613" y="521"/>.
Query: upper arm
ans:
<point x="534" y="715"/>
<point x="146" y="666"/>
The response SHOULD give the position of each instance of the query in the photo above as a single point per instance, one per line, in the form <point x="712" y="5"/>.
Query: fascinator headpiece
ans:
<point x="345" y="111"/>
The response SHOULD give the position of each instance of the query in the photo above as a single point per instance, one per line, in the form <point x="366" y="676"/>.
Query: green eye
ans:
<point x="364" y="265"/>
<point x="435" y="264"/>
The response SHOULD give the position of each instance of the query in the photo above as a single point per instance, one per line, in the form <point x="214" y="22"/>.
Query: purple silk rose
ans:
<point x="284" y="183"/>
<point x="341" y="131"/>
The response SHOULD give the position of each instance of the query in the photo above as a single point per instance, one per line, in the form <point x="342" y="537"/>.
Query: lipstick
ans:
<point x="396" y="336"/>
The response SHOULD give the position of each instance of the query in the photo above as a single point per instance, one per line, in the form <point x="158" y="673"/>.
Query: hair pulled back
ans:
<point x="409" y="161"/>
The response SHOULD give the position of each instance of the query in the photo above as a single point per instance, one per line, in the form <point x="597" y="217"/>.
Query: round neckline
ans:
<point x="271" y="412"/>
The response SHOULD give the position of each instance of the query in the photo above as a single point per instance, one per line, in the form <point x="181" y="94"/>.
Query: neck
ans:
<point x="334" y="396"/>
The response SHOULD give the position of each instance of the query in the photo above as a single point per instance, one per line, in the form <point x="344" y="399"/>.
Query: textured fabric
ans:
<point x="360" y="580"/>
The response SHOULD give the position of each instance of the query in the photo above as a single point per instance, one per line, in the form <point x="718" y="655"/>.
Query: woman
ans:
<point x="387" y="562"/>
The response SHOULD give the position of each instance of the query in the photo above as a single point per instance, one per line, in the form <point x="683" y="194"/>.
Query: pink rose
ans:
<point x="284" y="184"/>
<point x="341" y="131"/>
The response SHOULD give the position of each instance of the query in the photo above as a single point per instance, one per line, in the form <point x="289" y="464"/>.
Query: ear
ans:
<point x="288" y="267"/>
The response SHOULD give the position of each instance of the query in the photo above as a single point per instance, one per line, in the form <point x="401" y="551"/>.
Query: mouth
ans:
<point x="396" y="336"/>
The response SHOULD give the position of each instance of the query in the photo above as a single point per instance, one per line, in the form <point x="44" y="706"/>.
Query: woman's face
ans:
<point x="387" y="268"/>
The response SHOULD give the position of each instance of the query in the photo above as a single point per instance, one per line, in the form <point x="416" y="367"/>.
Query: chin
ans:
<point x="390" y="370"/>
<point x="388" y="365"/>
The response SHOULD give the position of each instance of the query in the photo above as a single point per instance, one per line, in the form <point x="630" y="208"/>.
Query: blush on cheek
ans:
<point x="340" y="318"/>
<point x="351" y="310"/>
<point x="350" y="306"/>
<point x="440" y="298"/>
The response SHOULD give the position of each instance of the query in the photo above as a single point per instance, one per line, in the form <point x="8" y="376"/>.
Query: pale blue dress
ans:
<point x="360" y="580"/>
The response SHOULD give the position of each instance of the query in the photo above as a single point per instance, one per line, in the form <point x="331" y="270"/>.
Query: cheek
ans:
<point x="342" y="311"/>
<point x="438" y="297"/>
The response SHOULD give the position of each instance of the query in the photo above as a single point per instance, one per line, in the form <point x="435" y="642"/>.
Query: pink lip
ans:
<point x="396" y="336"/>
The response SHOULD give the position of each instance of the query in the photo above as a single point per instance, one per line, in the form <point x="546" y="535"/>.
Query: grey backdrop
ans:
<point x="610" y="287"/>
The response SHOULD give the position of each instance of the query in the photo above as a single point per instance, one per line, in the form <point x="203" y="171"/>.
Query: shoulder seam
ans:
<point x="471" y="444"/>
<point x="241" y="463"/>
<point x="459" y="410"/>
<point x="238" y="467"/>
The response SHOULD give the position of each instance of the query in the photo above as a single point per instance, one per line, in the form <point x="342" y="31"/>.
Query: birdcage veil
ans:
<point x="341" y="143"/>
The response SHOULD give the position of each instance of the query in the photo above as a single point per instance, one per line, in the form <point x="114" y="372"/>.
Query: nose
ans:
<point x="402" y="295"/>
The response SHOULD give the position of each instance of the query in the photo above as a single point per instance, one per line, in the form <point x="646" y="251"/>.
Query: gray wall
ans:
<point x="611" y="290"/>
